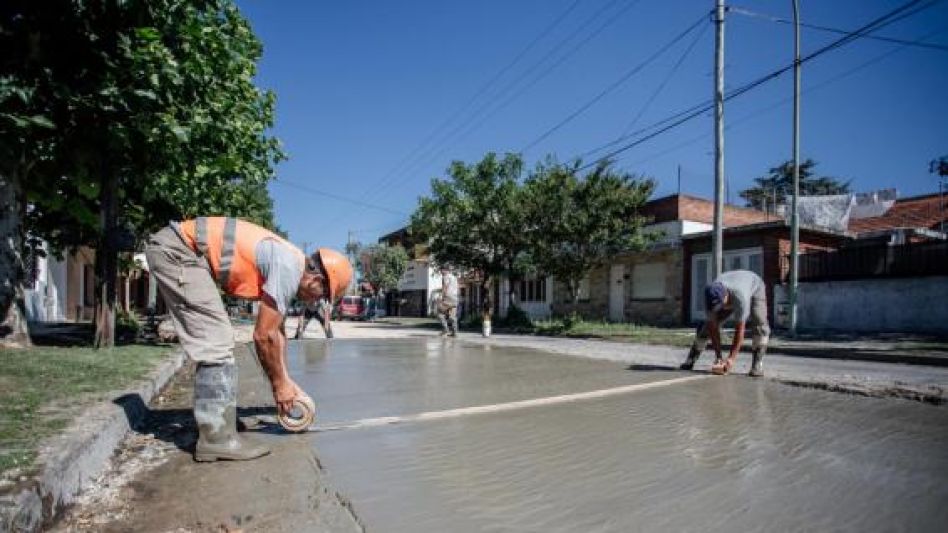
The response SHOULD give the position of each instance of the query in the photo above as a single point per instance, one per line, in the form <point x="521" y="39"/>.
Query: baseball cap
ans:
<point x="714" y="296"/>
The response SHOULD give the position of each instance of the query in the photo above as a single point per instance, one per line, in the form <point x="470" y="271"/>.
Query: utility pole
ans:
<point x="795" y="214"/>
<point x="717" y="244"/>
<point x="679" y="180"/>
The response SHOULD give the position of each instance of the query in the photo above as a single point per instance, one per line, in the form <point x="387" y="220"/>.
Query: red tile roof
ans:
<point x="914" y="212"/>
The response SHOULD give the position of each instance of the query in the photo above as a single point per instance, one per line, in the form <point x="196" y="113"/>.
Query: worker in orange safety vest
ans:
<point x="193" y="261"/>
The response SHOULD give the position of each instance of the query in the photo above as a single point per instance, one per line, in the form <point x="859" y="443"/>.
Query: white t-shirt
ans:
<point x="282" y="271"/>
<point x="449" y="284"/>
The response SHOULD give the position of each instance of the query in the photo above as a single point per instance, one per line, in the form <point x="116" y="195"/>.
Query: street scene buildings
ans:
<point x="546" y="265"/>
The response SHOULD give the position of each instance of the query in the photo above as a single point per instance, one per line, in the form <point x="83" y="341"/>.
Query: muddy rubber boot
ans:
<point x="215" y="410"/>
<point x="757" y="366"/>
<point x="689" y="363"/>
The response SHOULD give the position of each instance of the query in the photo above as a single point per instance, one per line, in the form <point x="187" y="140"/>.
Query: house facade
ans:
<point x="647" y="287"/>
<point x="63" y="290"/>
<point x="762" y="248"/>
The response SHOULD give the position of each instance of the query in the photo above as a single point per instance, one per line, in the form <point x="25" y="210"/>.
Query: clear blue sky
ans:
<point x="362" y="85"/>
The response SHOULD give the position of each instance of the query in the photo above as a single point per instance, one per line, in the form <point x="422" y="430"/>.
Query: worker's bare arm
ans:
<point x="738" y="339"/>
<point x="270" y="341"/>
<point x="714" y="329"/>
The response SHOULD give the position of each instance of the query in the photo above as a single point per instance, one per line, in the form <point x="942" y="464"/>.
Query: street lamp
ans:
<point x="795" y="213"/>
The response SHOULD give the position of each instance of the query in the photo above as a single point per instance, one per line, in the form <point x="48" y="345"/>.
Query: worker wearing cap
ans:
<point x="193" y="262"/>
<point x="740" y="293"/>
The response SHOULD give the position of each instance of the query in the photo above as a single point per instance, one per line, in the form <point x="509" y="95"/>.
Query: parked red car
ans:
<point x="351" y="307"/>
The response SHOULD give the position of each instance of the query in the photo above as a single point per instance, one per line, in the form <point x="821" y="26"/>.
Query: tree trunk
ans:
<point x="106" y="269"/>
<point x="14" y="331"/>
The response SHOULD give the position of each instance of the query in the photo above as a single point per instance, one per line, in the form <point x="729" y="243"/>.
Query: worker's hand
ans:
<point x="284" y="393"/>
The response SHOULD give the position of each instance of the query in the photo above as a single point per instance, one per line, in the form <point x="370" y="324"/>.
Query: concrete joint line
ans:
<point x="501" y="407"/>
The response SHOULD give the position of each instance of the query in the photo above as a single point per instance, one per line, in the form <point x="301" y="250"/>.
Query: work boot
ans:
<point x="757" y="366"/>
<point x="689" y="363"/>
<point x="215" y="410"/>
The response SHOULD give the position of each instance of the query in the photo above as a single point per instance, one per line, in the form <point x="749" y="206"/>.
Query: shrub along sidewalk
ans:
<point x="42" y="388"/>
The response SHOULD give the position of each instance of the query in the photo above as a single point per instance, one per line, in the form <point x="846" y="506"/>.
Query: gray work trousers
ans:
<point x="448" y="314"/>
<point x="193" y="299"/>
<point x="757" y="323"/>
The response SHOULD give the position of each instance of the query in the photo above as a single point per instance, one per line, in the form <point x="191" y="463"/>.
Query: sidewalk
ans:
<point x="145" y="485"/>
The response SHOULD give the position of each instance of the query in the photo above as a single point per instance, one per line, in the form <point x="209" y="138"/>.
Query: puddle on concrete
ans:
<point x="728" y="454"/>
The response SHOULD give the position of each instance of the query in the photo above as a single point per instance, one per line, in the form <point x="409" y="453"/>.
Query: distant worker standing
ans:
<point x="320" y="310"/>
<point x="448" y="305"/>
<point x="196" y="259"/>
<point x="740" y="293"/>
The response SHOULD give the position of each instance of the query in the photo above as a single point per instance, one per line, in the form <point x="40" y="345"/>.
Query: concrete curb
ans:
<point x="69" y="461"/>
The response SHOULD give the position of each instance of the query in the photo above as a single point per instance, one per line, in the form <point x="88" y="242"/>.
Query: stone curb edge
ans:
<point x="78" y="455"/>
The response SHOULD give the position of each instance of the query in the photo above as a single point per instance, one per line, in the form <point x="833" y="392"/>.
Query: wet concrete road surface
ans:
<point x="710" y="454"/>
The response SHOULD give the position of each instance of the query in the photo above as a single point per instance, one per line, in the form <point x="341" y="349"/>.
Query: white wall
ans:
<point x="45" y="300"/>
<point x="910" y="305"/>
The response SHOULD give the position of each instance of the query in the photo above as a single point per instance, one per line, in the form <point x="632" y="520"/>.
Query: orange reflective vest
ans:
<point x="230" y="246"/>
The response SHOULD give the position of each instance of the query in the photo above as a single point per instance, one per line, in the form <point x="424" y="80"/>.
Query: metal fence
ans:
<point x="882" y="261"/>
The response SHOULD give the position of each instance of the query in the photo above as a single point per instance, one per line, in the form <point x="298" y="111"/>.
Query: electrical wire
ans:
<point x="465" y="129"/>
<point x="772" y="18"/>
<point x="615" y="84"/>
<point x="664" y="83"/>
<point x="784" y="101"/>
<point x="353" y="201"/>
<point x="891" y="17"/>
<point x="480" y="92"/>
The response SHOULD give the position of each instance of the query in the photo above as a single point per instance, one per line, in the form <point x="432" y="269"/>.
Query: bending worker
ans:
<point x="196" y="259"/>
<point x="321" y="310"/>
<point x="740" y="293"/>
<point x="448" y="305"/>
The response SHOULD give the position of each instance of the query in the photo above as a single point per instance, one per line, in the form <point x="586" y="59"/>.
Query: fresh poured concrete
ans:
<point x="714" y="454"/>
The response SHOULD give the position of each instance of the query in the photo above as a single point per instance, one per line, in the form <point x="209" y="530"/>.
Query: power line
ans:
<point x="616" y="84"/>
<point x="772" y="18"/>
<point x="784" y="101"/>
<point x="460" y="132"/>
<point x="481" y="91"/>
<point x="353" y="201"/>
<point x="891" y="17"/>
<point x="664" y="83"/>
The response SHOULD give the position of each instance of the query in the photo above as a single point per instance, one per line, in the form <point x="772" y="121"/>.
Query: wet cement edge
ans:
<point x="70" y="460"/>
<point x="894" y="390"/>
<point x="653" y="354"/>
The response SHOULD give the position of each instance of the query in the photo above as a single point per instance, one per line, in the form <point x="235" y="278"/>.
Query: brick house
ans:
<point x="760" y="247"/>
<point x="765" y="247"/>
<point x="646" y="287"/>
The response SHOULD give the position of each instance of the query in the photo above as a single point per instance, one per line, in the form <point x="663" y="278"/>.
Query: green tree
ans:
<point x="383" y="265"/>
<point x="474" y="219"/>
<point x="578" y="223"/>
<point x="777" y="185"/>
<point x="939" y="166"/>
<point x="140" y="112"/>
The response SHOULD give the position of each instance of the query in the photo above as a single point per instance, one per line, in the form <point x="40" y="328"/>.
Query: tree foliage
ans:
<point x="939" y="166"/>
<point x="486" y="219"/>
<point x="131" y="114"/>
<point x="474" y="218"/>
<point x="578" y="223"/>
<point x="382" y="265"/>
<point x="777" y="185"/>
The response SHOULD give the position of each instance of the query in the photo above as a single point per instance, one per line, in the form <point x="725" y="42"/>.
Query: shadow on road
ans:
<point x="176" y="426"/>
<point x="651" y="368"/>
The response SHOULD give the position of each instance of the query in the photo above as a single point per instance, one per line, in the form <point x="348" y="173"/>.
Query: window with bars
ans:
<point x="531" y="290"/>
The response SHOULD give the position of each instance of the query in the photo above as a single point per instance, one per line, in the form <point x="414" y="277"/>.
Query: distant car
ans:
<point x="351" y="307"/>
